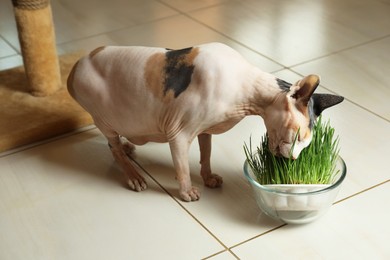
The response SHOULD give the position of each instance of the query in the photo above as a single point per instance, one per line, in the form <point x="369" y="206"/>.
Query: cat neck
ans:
<point x="264" y="91"/>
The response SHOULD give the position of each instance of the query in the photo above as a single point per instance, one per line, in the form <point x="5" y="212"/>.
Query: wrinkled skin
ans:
<point x="157" y="95"/>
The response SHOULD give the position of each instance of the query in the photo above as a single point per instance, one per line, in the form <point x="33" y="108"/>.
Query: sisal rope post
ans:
<point x="37" y="41"/>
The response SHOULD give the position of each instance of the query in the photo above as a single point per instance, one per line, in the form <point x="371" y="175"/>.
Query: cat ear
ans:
<point x="323" y="101"/>
<point x="307" y="86"/>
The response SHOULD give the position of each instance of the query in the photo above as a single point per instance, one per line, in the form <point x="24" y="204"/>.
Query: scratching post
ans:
<point x="37" y="41"/>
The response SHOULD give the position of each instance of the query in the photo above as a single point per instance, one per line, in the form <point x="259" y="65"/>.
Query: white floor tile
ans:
<point x="11" y="62"/>
<point x="174" y="32"/>
<point x="350" y="74"/>
<point x="354" y="229"/>
<point x="74" y="20"/>
<point x="292" y="32"/>
<point x="364" y="153"/>
<point x="188" y="5"/>
<point x="223" y="256"/>
<point x="5" y="49"/>
<point x="8" y="24"/>
<point x="66" y="200"/>
<point x="230" y="212"/>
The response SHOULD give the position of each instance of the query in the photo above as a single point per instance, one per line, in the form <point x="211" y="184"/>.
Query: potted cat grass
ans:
<point x="301" y="190"/>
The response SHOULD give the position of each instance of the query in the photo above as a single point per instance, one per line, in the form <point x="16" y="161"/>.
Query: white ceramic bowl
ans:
<point x="296" y="204"/>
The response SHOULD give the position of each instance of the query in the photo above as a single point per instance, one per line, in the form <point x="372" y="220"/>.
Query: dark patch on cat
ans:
<point x="319" y="102"/>
<point x="283" y="85"/>
<point x="323" y="101"/>
<point x="312" y="115"/>
<point x="178" y="70"/>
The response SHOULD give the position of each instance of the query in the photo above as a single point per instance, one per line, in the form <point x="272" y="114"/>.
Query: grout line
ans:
<point x="10" y="56"/>
<point x="239" y="43"/>
<point x="227" y="249"/>
<point x="362" y="191"/>
<point x="11" y="45"/>
<point x="181" y="205"/>
<point x="284" y="67"/>
<point x="210" y="256"/>
<point x="262" y="234"/>
<point x="118" y="29"/>
<point x="339" y="201"/>
<point x="230" y="251"/>
<point x="220" y="252"/>
<point x="364" y="108"/>
<point x="346" y="98"/>
<point x="339" y="51"/>
<point x="186" y="14"/>
<point x="191" y="10"/>
<point x="45" y="141"/>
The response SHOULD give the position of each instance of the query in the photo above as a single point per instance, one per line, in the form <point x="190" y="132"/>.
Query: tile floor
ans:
<point x="65" y="198"/>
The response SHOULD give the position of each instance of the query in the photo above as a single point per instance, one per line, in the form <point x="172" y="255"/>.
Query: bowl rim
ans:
<point x="271" y="190"/>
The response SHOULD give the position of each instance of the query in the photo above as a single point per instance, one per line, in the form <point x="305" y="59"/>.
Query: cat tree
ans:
<point x="37" y="41"/>
<point x="34" y="102"/>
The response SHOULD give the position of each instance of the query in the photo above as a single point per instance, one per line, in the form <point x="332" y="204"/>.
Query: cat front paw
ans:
<point x="193" y="194"/>
<point x="213" y="181"/>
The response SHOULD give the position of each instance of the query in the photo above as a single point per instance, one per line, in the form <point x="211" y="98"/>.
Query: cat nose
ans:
<point x="285" y="151"/>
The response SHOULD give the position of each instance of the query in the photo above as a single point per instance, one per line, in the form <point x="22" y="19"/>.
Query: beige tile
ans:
<point x="75" y="19"/>
<point x="8" y="25"/>
<point x="85" y="45"/>
<point x="288" y="76"/>
<point x="360" y="74"/>
<point x="291" y="32"/>
<point x="231" y="212"/>
<point x="173" y="32"/>
<point x="11" y="62"/>
<point x="188" y="5"/>
<point x="7" y="15"/>
<point x="39" y="168"/>
<point x="354" y="229"/>
<point x="5" y="49"/>
<point x="255" y="58"/>
<point x="66" y="200"/>
<point x="223" y="256"/>
<point x="364" y="139"/>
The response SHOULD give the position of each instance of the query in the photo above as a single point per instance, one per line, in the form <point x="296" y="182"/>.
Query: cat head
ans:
<point x="293" y="113"/>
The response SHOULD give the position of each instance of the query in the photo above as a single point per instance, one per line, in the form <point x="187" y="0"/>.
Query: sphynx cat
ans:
<point x="149" y="94"/>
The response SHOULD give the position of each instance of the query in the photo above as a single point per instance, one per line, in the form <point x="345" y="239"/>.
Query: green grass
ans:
<point x="315" y="164"/>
